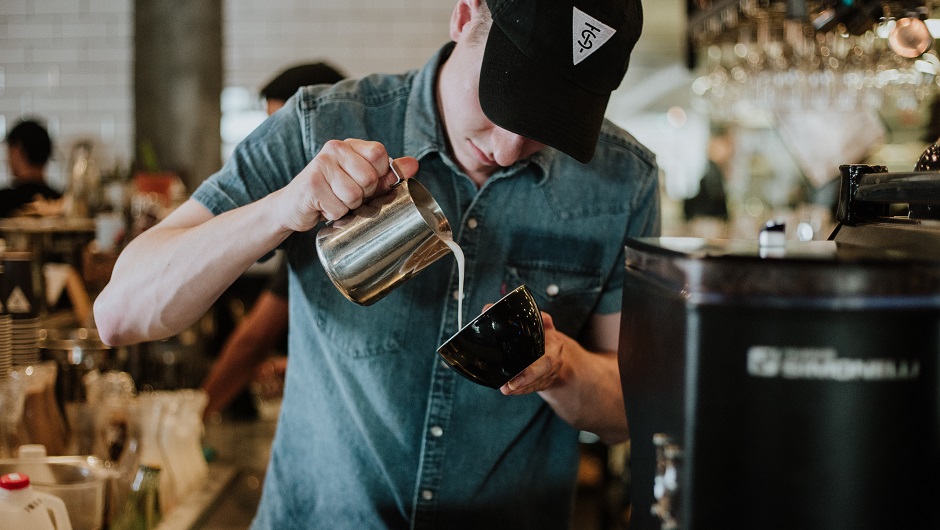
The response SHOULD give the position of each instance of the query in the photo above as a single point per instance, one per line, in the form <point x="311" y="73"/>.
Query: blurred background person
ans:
<point x="707" y="211"/>
<point x="257" y="335"/>
<point x="29" y="149"/>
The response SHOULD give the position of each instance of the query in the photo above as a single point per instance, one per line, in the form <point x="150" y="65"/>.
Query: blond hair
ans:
<point x="481" y="27"/>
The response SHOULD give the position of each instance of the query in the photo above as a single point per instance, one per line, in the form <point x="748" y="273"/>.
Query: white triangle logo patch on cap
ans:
<point x="588" y="35"/>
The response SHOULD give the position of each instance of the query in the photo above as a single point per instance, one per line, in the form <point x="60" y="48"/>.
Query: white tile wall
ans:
<point x="68" y="62"/>
<point x="358" y="36"/>
<point x="71" y="61"/>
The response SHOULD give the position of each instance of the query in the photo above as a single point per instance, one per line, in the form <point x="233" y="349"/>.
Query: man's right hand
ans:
<point x="339" y="179"/>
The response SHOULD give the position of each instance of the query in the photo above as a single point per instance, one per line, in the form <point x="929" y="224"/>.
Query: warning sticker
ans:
<point x="18" y="302"/>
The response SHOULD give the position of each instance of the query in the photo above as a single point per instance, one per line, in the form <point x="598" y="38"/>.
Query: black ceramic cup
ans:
<point x="501" y="342"/>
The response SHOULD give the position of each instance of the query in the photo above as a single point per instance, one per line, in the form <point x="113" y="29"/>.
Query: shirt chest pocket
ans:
<point x="361" y="331"/>
<point x="568" y="293"/>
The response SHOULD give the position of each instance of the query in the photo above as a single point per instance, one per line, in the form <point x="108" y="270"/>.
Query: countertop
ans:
<point x="242" y="449"/>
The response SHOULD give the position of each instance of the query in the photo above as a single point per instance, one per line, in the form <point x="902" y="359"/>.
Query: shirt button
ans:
<point x="472" y="223"/>
<point x="551" y="290"/>
<point x="427" y="494"/>
<point x="437" y="431"/>
<point x="456" y="294"/>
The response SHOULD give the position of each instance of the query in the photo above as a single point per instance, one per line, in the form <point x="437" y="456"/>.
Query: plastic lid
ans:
<point x="14" y="481"/>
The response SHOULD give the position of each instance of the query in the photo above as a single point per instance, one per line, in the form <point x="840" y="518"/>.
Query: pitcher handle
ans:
<point x="396" y="171"/>
<point x="398" y="180"/>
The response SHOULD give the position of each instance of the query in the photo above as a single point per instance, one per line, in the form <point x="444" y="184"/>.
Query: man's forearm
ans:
<point x="591" y="399"/>
<point x="169" y="276"/>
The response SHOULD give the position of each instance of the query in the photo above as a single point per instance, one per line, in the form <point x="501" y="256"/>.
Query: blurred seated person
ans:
<point x="253" y="340"/>
<point x="29" y="149"/>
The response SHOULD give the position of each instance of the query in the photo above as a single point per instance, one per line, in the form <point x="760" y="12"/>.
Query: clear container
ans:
<point x="79" y="482"/>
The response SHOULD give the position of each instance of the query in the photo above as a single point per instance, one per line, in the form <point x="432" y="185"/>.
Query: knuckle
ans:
<point x="331" y="146"/>
<point x="354" y="195"/>
<point x="374" y="152"/>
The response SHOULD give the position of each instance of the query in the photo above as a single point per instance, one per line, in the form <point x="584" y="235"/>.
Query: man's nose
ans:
<point x="510" y="147"/>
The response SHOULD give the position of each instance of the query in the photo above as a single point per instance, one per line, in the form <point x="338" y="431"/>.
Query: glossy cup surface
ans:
<point x="501" y="342"/>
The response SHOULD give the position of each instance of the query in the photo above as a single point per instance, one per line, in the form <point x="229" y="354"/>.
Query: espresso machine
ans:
<point x="777" y="384"/>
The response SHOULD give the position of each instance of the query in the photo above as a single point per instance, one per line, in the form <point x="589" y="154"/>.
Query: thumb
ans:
<point x="547" y="321"/>
<point x="407" y="167"/>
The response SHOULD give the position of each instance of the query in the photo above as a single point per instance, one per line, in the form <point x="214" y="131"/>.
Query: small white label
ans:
<point x="824" y="364"/>
<point x="588" y="35"/>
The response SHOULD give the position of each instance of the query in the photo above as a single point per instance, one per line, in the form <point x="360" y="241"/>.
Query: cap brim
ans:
<point x="521" y="96"/>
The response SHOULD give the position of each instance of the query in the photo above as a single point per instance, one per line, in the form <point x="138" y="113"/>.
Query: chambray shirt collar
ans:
<point x="424" y="133"/>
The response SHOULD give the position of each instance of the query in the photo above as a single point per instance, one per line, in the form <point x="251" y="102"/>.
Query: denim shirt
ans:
<point x="375" y="430"/>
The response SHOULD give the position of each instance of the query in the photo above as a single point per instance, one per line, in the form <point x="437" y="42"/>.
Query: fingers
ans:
<point x="542" y="373"/>
<point x="344" y="174"/>
<point x="349" y="172"/>
<point x="406" y="168"/>
<point x="547" y="321"/>
<point x="537" y="376"/>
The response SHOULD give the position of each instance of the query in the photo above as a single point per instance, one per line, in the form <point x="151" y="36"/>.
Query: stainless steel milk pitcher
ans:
<point x="383" y="243"/>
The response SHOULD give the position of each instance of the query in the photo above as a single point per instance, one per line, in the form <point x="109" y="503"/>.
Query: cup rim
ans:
<point x="522" y="287"/>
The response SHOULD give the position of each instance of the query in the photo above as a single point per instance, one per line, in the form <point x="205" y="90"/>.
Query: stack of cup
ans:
<point x="25" y="341"/>
<point x="6" y="344"/>
<point x="6" y="338"/>
<point x="20" y="301"/>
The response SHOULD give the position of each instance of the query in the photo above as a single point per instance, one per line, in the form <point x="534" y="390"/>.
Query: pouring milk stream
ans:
<point x="448" y="240"/>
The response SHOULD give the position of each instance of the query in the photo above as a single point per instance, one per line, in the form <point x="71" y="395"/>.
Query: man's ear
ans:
<point x="464" y="12"/>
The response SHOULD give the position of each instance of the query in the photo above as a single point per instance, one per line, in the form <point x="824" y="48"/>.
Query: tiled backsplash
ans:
<point x="70" y="62"/>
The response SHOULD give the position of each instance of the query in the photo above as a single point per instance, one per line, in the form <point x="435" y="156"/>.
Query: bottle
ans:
<point x="23" y="507"/>
<point x="83" y="190"/>
<point x="142" y="509"/>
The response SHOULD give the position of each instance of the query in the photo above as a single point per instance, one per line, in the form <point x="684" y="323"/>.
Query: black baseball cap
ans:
<point x="550" y="65"/>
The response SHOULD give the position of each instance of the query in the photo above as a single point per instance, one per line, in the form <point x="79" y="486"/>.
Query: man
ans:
<point x="254" y="338"/>
<point x="29" y="149"/>
<point x="376" y="431"/>
<point x="276" y="92"/>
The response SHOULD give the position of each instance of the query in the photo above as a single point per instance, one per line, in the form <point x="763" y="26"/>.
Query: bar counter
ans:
<point x="241" y="450"/>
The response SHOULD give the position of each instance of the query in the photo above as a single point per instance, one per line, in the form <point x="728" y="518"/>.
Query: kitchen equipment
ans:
<point x="20" y="293"/>
<point x="80" y="355"/>
<point x="83" y="190"/>
<point x="12" y="430"/>
<point x="788" y="387"/>
<point x="385" y="242"/>
<point x="499" y="343"/>
<point x="80" y="481"/>
<point x="794" y="391"/>
<point x="110" y="395"/>
<point x="76" y="352"/>
<point x="42" y="419"/>
<point x="150" y="412"/>
<point x="142" y="508"/>
<point x="6" y="343"/>
<point x="23" y="507"/>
